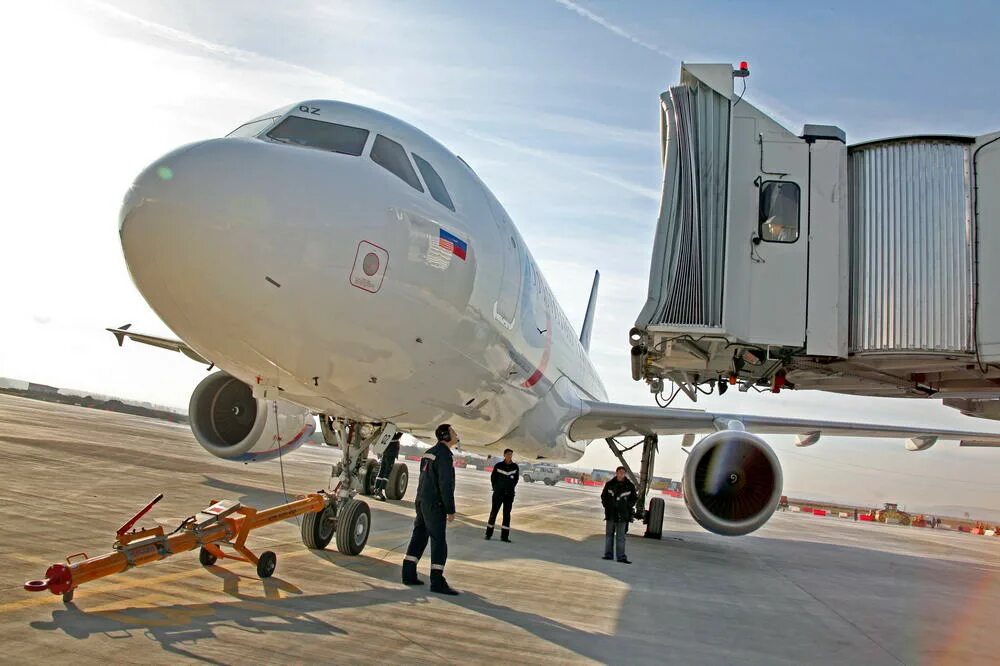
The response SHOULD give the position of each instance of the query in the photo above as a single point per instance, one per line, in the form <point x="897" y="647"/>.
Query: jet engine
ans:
<point x="230" y="423"/>
<point x="732" y="482"/>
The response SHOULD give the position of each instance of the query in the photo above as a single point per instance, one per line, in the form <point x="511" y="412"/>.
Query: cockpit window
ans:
<point x="318" y="134"/>
<point x="390" y="156"/>
<point x="252" y="128"/>
<point x="434" y="182"/>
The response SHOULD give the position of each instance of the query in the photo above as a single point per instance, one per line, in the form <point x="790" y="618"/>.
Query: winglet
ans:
<point x="588" y="319"/>
<point x="119" y="333"/>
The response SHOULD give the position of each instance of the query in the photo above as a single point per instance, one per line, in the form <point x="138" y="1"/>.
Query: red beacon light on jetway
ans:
<point x="743" y="71"/>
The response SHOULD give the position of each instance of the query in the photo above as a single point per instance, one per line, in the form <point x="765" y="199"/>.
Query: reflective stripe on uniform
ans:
<point x="410" y="558"/>
<point x="430" y="456"/>
<point x="491" y="525"/>
<point x="510" y="473"/>
<point x="505" y="527"/>
<point x="437" y="567"/>
<point x="381" y="478"/>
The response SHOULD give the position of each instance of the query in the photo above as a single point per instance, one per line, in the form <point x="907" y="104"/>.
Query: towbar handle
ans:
<point x="142" y="512"/>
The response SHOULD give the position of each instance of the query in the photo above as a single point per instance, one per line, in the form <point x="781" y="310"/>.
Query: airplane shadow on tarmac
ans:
<point x="691" y="596"/>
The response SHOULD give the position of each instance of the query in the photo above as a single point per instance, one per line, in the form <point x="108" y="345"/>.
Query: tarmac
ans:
<point x="802" y="589"/>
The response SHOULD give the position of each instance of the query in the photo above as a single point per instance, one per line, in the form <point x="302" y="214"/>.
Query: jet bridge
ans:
<point x="787" y="260"/>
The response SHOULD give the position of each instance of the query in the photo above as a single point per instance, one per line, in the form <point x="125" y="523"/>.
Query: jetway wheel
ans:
<point x="266" y="564"/>
<point x="206" y="558"/>
<point x="319" y="527"/>
<point x="371" y="471"/>
<point x="399" y="479"/>
<point x="654" y="518"/>
<point x="353" y="525"/>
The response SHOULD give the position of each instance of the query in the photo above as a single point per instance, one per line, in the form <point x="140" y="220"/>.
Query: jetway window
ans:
<point x="390" y="156"/>
<point x="252" y="128"/>
<point x="434" y="182"/>
<point x="318" y="134"/>
<point x="779" y="212"/>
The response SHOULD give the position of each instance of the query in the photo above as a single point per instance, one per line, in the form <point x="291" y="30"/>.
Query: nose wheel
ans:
<point x="348" y="519"/>
<point x="354" y="527"/>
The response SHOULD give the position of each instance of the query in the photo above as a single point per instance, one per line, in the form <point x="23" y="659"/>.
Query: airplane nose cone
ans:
<point x="197" y="231"/>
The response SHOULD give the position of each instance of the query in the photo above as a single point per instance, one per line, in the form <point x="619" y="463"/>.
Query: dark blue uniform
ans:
<point x="618" y="498"/>
<point x="389" y="457"/>
<point x="504" y="478"/>
<point x="435" y="500"/>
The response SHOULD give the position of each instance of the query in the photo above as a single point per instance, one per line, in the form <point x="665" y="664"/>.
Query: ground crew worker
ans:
<point x="435" y="506"/>
<point x="618" y="498"/>
<point x="504" y="478"/>
<point x="388" y="460"/>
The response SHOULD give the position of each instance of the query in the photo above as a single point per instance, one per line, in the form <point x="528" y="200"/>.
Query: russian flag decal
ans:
<point x="453" y="244"/>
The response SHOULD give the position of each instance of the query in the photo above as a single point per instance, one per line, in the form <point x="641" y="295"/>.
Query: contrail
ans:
<point x="621" y="32"/>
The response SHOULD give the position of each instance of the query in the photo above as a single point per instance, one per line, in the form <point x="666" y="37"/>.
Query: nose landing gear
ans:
<point x="347" y="518"/>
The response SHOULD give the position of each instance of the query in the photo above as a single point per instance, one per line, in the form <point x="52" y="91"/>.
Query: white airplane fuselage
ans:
<point x="329" y="276"/>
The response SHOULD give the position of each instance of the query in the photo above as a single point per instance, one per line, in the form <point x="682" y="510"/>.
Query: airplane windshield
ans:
<point x="252" y="128"/>
<point x="318" y="134"/>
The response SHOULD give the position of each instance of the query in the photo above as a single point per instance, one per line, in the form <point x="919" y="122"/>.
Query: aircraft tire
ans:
<point x="319" y="528"/>
<point x="353" y="527"/>
<point x="399" y="479"/>
<point x="654" y="519"/>
<point x="371" y="466"/>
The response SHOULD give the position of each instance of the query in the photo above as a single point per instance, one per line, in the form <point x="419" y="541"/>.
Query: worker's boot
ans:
<point x="439" y="584"/>
<point x="489" y="532"/>
<point x="410" y="573"/>
<point x="505" y="536"/>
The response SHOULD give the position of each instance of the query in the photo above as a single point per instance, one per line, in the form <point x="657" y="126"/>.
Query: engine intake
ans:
<point x="732" y="482"/>
<point x="230" y="423"/>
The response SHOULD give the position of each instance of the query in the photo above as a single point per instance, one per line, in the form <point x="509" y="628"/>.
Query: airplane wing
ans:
<point x="603" y="419"/>
<point x="123" y="332"/>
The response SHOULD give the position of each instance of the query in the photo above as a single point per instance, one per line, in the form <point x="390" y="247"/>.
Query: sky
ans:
<point x="555" y="105"/>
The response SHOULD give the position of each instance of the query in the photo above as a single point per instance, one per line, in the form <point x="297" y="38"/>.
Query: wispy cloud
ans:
<point x="239" y="55"/>
<point x="616" y="29"/>
<point x="569" y="164"/>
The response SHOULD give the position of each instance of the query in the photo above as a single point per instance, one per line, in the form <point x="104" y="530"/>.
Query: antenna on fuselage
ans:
<point x="588" y="319"/>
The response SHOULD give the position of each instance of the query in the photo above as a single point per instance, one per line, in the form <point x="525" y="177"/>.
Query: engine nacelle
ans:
<point x="732" y="482"/>
<point x="230" y="423"/>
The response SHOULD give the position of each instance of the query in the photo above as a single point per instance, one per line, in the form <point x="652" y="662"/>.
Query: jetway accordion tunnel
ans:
<point x="785" y="260"/>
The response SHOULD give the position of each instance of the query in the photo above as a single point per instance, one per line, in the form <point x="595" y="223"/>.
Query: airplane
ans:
<point x="332" y="260"/>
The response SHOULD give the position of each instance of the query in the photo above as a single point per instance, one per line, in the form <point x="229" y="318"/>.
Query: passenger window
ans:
<point x="252" y="128"/>
<point x="434" y="182"/>
<point x="390" y="156"/>
<point x="779" y="212"/>
<point x="318" y="134"/>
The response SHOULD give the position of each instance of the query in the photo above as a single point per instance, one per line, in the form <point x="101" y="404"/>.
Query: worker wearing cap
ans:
<point x="388" y="461"/>
<point x="435" y="506"/>
<point x="504" y="478"/>
<point x="618" y="498"/>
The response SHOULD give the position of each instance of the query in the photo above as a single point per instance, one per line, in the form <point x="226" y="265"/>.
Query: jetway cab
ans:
<point x="784" y="261"/>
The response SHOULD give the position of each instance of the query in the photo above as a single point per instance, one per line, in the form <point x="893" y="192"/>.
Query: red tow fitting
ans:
<point x="58" y="580"/>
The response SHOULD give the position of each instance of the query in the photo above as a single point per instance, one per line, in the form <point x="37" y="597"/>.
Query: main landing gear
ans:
<point x="653" y="516"/>
<point x="347" y="518"/>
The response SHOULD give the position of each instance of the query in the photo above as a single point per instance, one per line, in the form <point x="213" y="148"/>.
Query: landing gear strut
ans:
<point x="348" y="519"/>
<point x="653" y="516"/>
